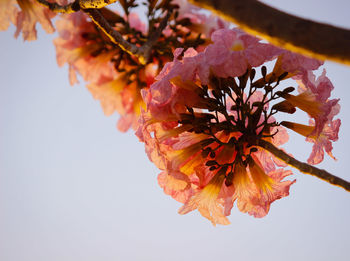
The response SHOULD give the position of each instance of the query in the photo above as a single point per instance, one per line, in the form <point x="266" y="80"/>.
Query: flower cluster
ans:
<point x="206" y="115"/>
<point x="117" y="80"/>
<point x="118" y="77"/>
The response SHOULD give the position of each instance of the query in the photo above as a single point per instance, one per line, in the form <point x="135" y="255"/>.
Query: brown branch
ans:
<point x="67" y="9"/>
<point x="113" y="35"/>
<point x="318" y="40"/>
<point x="303" y="167"/>
<point x="143" y="52"/>
<point x="146" y="48"/>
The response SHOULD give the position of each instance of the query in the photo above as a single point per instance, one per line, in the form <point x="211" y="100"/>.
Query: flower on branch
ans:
<point x="202" y="129"/>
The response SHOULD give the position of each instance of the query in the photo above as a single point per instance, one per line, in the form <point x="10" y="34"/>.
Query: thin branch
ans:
<point x="147" y="46"/>
<point x="143" y="52"/>
<point x="303" y="167"/>
<point x="318" y="40"/>
<point x="67" y="9"/>
<point x="113" y="35"/>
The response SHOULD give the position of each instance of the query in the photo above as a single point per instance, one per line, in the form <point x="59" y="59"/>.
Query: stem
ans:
<point x="146" y="48"/>
<point x="304" y="167"/>
<point x="113" y="35"/>
<point x="318" y="40"/>
<point x="142" y="53"/>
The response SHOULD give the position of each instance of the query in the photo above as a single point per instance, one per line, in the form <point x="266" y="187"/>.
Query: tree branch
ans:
<point x="143" y="52"/>
<point x="318" y="40"/>
<point x="113" y="35"/>
<point x="303" y="167"/>
<point x="146" y="48"/>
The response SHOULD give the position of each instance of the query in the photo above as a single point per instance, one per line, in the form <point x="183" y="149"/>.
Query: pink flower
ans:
<point x="189" y="179"/>
<point x="200" y="130"/>
<point x="322" y="142"/>
<point x="254" y="190"/>
<point x="314" y="99"/>
<point x="174" y="89"/>
<point x="201" y="22"/>
<point x="176" y="184"/>
<point x="295" y="63"/>
<point x="122" y="94"/>
<point x="78" y="45"/>
<point x="207" y="203"/>
<point x="234" y="51"/>
<point x="85" y="51"/>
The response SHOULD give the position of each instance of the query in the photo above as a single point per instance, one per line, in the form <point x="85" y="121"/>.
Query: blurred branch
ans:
<point x="318" y="40"/>
<point x="143" y="52"/>
<point x="112" y="34"/>
<point x="303" y="167"/>
<point x="153" y="38"/>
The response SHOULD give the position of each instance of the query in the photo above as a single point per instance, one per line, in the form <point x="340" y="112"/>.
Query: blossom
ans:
<point x="322" y="142"/>
<point x="234" y="51"/>
<point x="202" y="23"/>
<point x="174" y="89"/>
<point x="314" y="99"/>
<point x="205" y="200"/>
<point x="295" y="63"/>
<point x="208" y="160"/>
<point x="119" y="93"/>
<point x="188" y="178"/>
<point x="176" y="184"/>
<point x="255" y="190"/>
<point x="117" y="85"/>
<point x="78" y="45"/>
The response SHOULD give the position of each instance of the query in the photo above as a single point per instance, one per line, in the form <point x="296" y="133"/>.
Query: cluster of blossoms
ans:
<point x="116" y="80"/>
<point x="202" y="100"/>
<point x="118" y="77"/>
<point x="207" y="117"/>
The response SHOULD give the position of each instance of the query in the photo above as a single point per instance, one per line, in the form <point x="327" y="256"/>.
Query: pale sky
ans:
<point x="73" y="188"/>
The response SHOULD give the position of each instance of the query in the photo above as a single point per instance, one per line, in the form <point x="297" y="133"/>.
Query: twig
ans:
<point x="318" y="40"/>
<point x="67" y="9"/>
<point x="143" y="52"/>
<point x="113" y="35"/>
<point x="146" y="48"/>
<point x="303" y="167"/>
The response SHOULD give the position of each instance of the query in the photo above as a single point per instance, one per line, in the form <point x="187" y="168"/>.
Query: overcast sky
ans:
<point x="73" y="188"/>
